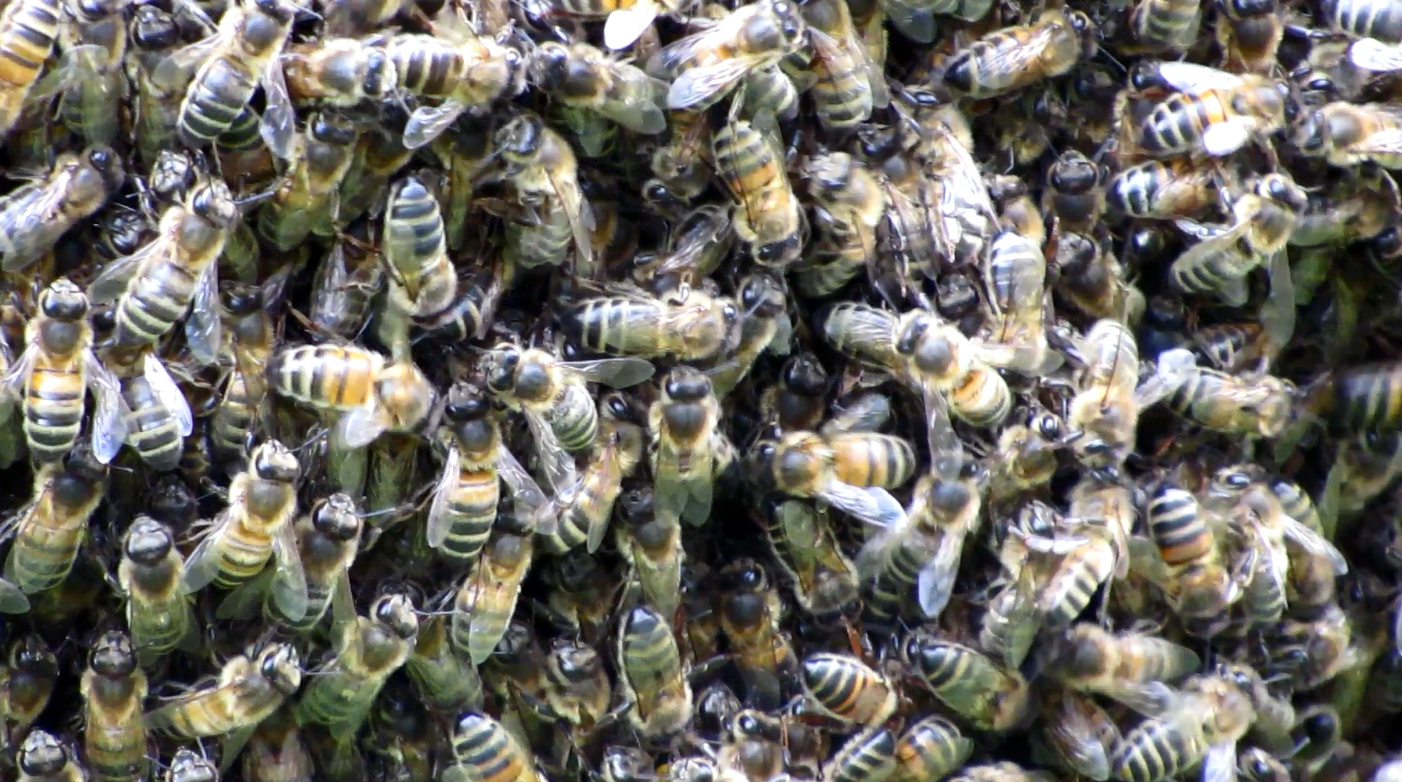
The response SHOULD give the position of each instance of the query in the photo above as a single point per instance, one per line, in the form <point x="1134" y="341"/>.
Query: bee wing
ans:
<point x="558" y="464"/>
<point x="12" y="384"/>
<point x="525" y="493"/>
<point x="278" y="125"/>
<point x="112" y="282"/>
<point x="26" y="217"/>
<point x="428" y="122"/>
<point x="168" y="393"/>
<point x="580" y="216"/>
<point x="626" y="25"/>
<point x="174" y="71"/>
<point x="665" y="62"/>
<point x="109" y="426"/>
<point x="1374" y="55"/>
<point x="700" y="86"/>
<point x="1220" y="763"/>
<point x="1315" y="543"/>
<point x="245" y="601"/>
<point x="1189" y="77"/>
<point x="1380" y="142"/>
<point x="871" y="504"/>
<point x="867" y="414"/>
<point x="360" y="426"/>
<point x="203" y="564"/>
<point x="1076" y="737"/>
<point x="436" y="527"/>
<point x="12" y="600"/>
<point x="612" y="372"/>
<point x="1173" y="370"/>
<point x="1223" y="138"/>
<point x="915" y="23"/>
<point x="202" y="327"/>
<point x="946" y="451"/>
<point x="643" y="116"/>
<point x="934" y="584"/>
<point x="876" y="75"/>
<point x="1154" y="700"/>
<point x="289" y="588"/>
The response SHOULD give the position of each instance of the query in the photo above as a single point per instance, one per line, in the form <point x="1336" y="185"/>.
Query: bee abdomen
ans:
<point x="152" y="430"/>
<point x="1153" y="752"/>
<point x="474" y="508"/>
<point x="214" y="101"/>
<point x="613" y="325"/>
<point x="27" y="34"/>
<point x="574" y="418"/>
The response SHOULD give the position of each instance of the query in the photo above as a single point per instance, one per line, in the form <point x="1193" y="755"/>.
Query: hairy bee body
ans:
<point x="652" y="674"/>
<point x="485" y="601"/>
<point x="1211" y="112"/>
<point x="969" y="682"/>
<point x="1198" y="575"/>
<point x="1017" y="57"/>
<point x="422" y="281"/>
<point x="852" y="203"/>
<point x="340" y="72"/>
<point x="695" y="328"/>
<point x="35" y="216"/>
<point x="1163" y="189"/>
<point x="327" y="541"/>
<point x="1166" y="25"/>
<point x="369" y="650"/>
<point x="1380" y="19"/>
<point x="113" y="688"/>
<point x="28" y="31"/>
<point x="930" y="750"/>
<point x="618" y="453"/>
<point x="248" y="690"/>
<point x="304" y="202"/>
<point x="767" y="215"/>
<point x="150" y="574"/>
<point x="153" y="430"/>
<point x="43" y="758"/>
<point x="848" y="689"/>
<point x="53" y="528"/>
<point x="482" y="750"/>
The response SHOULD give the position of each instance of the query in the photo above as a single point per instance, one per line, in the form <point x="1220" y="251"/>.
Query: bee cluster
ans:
<point x="629" y="390"/>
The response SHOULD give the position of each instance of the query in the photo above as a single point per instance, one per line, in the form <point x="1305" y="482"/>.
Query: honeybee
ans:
<point x="1363" y="18"/>
<point x="704" y="66"/>
<point x="486" y="599"/>
<point x="53" y="374"/>
<point x="916" y="18"/>
<point x="253" y="333"/>
<point x="27" y="34"/>
<point x="652" y="546"/>
<point x="466" y="496"/>
<point x="34" y="217"/>
<point x="851" y="204"/>
<point x="49" y="531"/>
<point x="1249" y="32"/>
<point x="1075" y="192"/>
<point x="346" y="282"/>
<point x="766" y="216"/>
<point x="929" y="750"/>
<point x="847" y="82"/>
<point x="1188" y="562"/>
<point x="687" y="447"/>
<point x="1262" y="224"/>
<point x="1090" y="659"/>
<point x="582" y="77"/>
<point x="1018" y="57"/>
<point x="968" y="682"/>
<point x="368" y="650"/>
<point x="456" y="66"/>
<point x="113" y="687"/>
<point x="151" y="575"/>
<point x="43" y="758"/>
<point x="691" y="326"/>
<point x="1200" y="723"/>
<point x="544" y="174"/>
<point x="1222" y="402"/>
<point x="847" y="689"/>
<point x="275" y="753"/>
<point x="1208" y="112"/>
<point x="1164" y="189"/>
<point x="849" y="470"/>
<point x="1025" y="458"/>
<point x="583" y="511"/>
<point x="1348" y="134"/>
<point x="307" y="199"/>
<point x="483" y="748"/>
<point x="174" y="275"/>
<point x="244" y="53"/>
<point x="681" y="167"/>
<point x="158" y="415"/>
<point x="342" y="72"/>
<point x="801" y="536"/>
<point x="1080" y="732"/>
<point x="373" y="394"/>
<point x="749" y="612"/>
<point x="246" y="692"/>
<point x="445" y="681"/>
<point x="652" y="677"/>
<point x="26" y="684"/>
<point x="256" y="526"/>
<point x="1017" y="281"/>
<point x="555" y="400"/>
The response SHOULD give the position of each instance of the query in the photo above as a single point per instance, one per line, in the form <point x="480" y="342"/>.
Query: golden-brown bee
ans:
<point x="49" y="531"/>
<point x="446" y="682"/>
<point x="801" y="536"/>
<point x="851" y="203"/>
<point x="799" y="399"/>
<point x="1208" y="112"/>
<point x="704" y="66"/>
<point x="35" y="216"/>
<point x="486" y="599"/>
<point x="1091" y="659"/>
<point x="1016" y="274"/>
<point x="158" y="417"/>
<point x="542" y="171"/>
<point x="346" y="282"/>
<point x="275" y="752"/>
<point x="243" y="54"/>
<point x="306" y="201"/>
<point x="1189" y="562"/>
<point x="373" y="394"/>
<point x="175" y="275"/>
<point x="26" y="683"/>
<point x="968" y="682"/>
<point x="749" y="611"/>
<point x="691" y="326"/>
<point x="483" y="749"/>
<point x="1164" y="189"/>
<point x="586" y="79"/>
<point x="27" y="34"/>
<point x="584" y="510"/>
<point x="253" y="334"/>
<point x="463" y="73"/>
<point x="687" y="448"/>
<point x="257" y="526"/>
<point x="554" y="397"/>
<point x="368" y="650"/>
<point x="577" y="687"/>
<point x="652" y="547"/>
<point x="113" y="687"/>
<point x="681" y="167"/>
<point x="1347" y="134"/>
<point x="849" y="470"/>
<point x="466" y="496"/>
<point x="847" y="82"/>
<point x="1200" y="723"/>
<point x="847" y="689"/>
<point x="1080" y="732"/>
<point x="151" y="576"/>
<point x="1222" y="402"/>
<point x="1249" y="32"/>
<point x="43" y="758"/>
<point x="767" y="215"/>
<point x="1164" y="25"/>
<point x="1018" y="57"/>
<point x="764" y="326"/>
<point x="153" y="35"/>
<point x="422" y="281"/>
<point x="55" y="372"/>
<point x="652" y="676"/>
<point x="342" y="72"/>
<point x="1025" y="458"/>
<point x="247" y="691"/>
<point x="929" y="750"/>
<point x="1261" y="226"/>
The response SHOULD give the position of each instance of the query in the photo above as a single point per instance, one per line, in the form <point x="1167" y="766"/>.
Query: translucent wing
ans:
<point x="438" y="524"/>
<point x="1374" y="55"/>
<point x="934" y="584"/>
<point x="12" y="600"/>
<point x="580" y="216"/>
<point x="525" y="493"/>
<point x="278" y="126"/>
<point x="112" y="282"/>
<point x="1387" y="141"/>
<point x="1220" y="763"/>
<point x="1174" y="368"/>
<point x="245" y="601"/>
<point x="174" y="71"/>
<point x="642" y="116"/>
<point x="1223" y="138"/>
<point x="1155" y="700"/>
<point x="917" y="24"/>
<point x="109" y="426"/>
<point x="558" y="464"/>
<point x="876" y="76"/>
<point x="867" y="414"/>
<point x="428" y="122"/>
<point x="168" y="393"/>
<point x="232" y="744"/>
<point x="612" y="372"/>
<point x="667" y="61"/>
<point x="202" y="327"/>
<point x="18" y="374"/>
<point x="626" y="25"/>
<point x="203" y="565"/>
<point x="1188" y="77"/>
<point x="699" y="87"/>
<point x="360" y="426"/>
<point x="1075" y="735"/>
<point x="289" y="589"/>
<point x="26" y="217"/>
<point x="946" y="451"/>
<point x="871" y="504"/>
<point x="1315" y="543"/>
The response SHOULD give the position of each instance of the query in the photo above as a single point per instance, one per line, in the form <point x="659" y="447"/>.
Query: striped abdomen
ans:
<point x="1070" y="589"/>
<point x="28" y="29"/>
<point x="49" y="538"/>
<point x="427" y="67"/>
<point x="472" y="509"/>
<point x="154" y="301"/>
<point x="1154" y="751"/>
<point x="114" y="738"/>
<point x="623" y="326"/>
<point x="217" y="96"/>
<point x="1176" y="125"/>
<point x="53" y="407"/>
<point x="484" y="752"/>
<point x="243" y="553"/>
<point x="1166" y="24"/>
<point x="573" y="417"/>
<point x="152" y="430"/>
<point x="326" y="376"/>
<point x="746" y="162"/>
<point x="233" y="417"/>
<point x="841" y="93"/>
<point x="1176" y="524"/>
